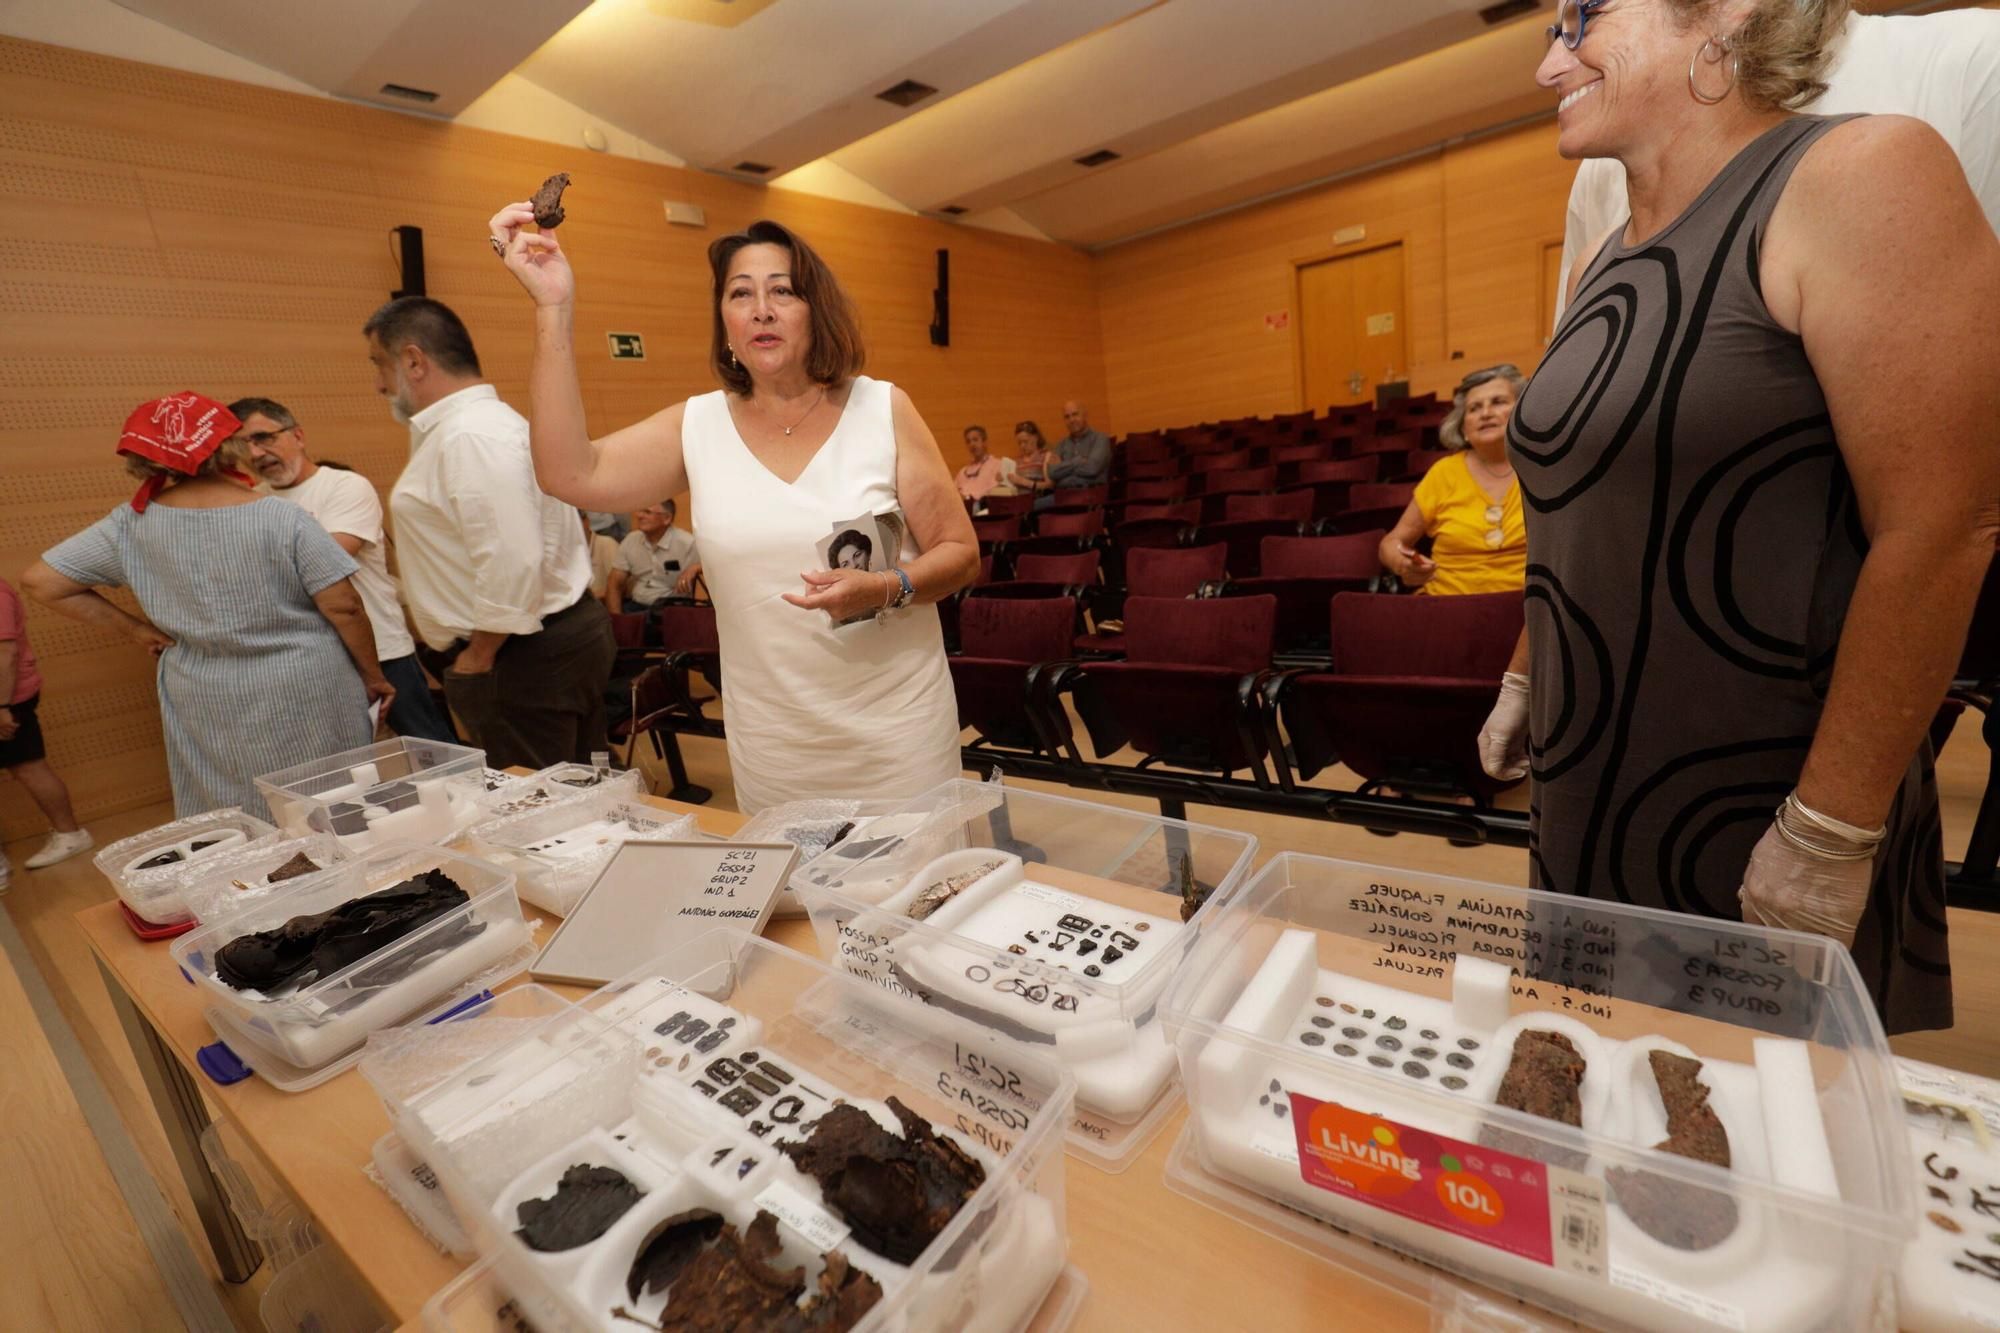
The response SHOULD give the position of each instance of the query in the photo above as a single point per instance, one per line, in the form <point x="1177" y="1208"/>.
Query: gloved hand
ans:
<point x="1789" y="887"/>
<point x="1503" y="741"/>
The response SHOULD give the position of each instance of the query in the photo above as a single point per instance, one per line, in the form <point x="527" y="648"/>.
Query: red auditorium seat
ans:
<point x="1305" y="574"/>
<point x="1410" y="683"/>
<point x="1187" y="693"/>
<point x="1005" y="644"/>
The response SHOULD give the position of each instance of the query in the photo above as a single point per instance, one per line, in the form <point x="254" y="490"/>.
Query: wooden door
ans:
<point x="1352" y="326"/>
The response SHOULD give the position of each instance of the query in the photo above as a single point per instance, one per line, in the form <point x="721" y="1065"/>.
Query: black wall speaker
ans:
<point x="409" y="260"/>
<point x="941" y="302"/>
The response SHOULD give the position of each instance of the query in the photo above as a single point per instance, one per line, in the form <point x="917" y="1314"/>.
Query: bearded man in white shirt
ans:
<point x="496" y="573"/>
<point x="345" y="504"/>
<point x="1943" y="69"/>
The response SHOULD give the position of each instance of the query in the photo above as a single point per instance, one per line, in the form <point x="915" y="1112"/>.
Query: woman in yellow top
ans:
<point x="1468" y="504"/>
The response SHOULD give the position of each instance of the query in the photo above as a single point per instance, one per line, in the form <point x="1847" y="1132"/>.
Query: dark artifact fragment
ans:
<point x="730" y="1286"/>
<point x="1544" y="1078"/>
<point x="292" y="869"/>
<point x="1674" y="1212"/>
<point x="547" y="202"/>
<point x="669" y="1248"/>
<point x="165" y="858"/>
<point x="1193" y="892"/>
<point x="897" y="1192"/>
<point x="310" y="948"/>
<point x="588" y="1199"/>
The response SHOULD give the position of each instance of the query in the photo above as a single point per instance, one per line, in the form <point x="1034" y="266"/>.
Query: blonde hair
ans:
<point x="232" y="452"/>
<point x="1781" y="50"/>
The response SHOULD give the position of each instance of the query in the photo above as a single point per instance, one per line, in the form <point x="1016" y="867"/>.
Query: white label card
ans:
<point x="821" y="1229"/>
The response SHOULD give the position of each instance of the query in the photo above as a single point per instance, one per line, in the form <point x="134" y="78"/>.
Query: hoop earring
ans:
<point x="1723" y="51"/>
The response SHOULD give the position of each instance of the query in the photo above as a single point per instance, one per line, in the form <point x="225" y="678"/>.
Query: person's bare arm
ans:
<point x="626" y="468"/>
<point x="614" y="591"/>
<point x="79" y="601"/>
<point x="1398" y="551"/>
<point x="949" y="552"/>
<point x="341" y="606"/>
<point x="1895" y="288"/>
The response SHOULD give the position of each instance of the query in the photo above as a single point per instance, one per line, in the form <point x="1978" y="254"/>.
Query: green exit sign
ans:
<point x="627" y="347"/>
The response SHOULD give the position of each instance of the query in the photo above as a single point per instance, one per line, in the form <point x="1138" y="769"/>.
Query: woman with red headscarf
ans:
<point x="265" y="654"/>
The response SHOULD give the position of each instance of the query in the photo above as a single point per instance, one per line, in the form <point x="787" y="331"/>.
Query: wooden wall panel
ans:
<point x="1185" y="334"/>
<point x="168" y="231"/>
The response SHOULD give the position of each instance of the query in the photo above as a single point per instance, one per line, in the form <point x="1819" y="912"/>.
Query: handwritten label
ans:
<point x="821" y="1229"/>
<point x="1513" y="1204"/>
<point x="1419" y="932"/>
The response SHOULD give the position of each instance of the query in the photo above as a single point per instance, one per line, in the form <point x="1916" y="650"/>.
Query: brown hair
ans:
<point x="836" y="354"/>
<point x="1781" y="49"/>
<point x="232" y="452"/>
<point x="1034" y="430"/>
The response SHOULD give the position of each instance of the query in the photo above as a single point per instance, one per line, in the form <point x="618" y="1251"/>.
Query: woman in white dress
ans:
<point x="796" y="442"/>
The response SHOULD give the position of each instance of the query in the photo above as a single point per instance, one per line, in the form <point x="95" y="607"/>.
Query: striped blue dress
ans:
<point x="257" y="679"/>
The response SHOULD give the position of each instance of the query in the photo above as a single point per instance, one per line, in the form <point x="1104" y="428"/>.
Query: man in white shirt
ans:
<point x="496" y="573"/>
<point x="1943" y="69"/>
<point x="345" y="504"/>
<point x="655" y="561"/>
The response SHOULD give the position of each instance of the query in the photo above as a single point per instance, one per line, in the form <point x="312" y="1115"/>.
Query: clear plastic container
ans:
<point x="148" y="869"/>
<point x="1054" y="921"/>
<point x="400" y="790"/>
<point x="1951" y="1273"/>
<point x="558" y="785"/>
<point x="1345" y="1033"/>
<point x="220" y="885"/>
<point x="475" y="945"/>
<point x="814" y="827"/>
<point x="476" y="1302"/>
<point x="558" y="850"/>
<point x="264" y="1209"/>
<point x="686" y="1076"/>
<point x="319" y="1294"/>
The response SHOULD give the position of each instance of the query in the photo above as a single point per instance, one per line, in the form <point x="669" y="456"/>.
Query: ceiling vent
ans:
<point x="408" y="94"/>
<point x="907" y="93"/>
<point x="1508" y="9"/>
<point x="753" y="168"/>
<point x="1098" y="158"/>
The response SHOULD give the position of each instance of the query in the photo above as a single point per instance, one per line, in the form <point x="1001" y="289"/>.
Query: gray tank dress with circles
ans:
<point x="1693" y="541"/>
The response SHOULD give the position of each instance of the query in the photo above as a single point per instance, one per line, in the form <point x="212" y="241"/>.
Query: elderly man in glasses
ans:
<point x="346" y="505"/>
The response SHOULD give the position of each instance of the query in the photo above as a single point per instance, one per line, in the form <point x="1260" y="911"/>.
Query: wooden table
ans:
<point x="1154" y="1259"/>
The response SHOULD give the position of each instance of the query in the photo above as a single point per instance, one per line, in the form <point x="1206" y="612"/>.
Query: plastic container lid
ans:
<point x="152" y="893"/>
<point x="406" y="789"/>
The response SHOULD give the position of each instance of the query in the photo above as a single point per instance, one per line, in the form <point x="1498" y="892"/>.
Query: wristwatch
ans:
<point x="904" y="595"/>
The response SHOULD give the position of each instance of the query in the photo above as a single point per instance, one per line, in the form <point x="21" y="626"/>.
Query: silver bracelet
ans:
<point x="1823" y="836"/>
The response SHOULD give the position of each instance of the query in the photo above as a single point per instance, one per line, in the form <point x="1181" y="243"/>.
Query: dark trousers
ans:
<point x="415" y="712"/>
<point x="543" y="701"/>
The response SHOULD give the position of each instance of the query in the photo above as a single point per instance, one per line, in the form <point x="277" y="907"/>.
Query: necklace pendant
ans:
<point x="788" y="430"/>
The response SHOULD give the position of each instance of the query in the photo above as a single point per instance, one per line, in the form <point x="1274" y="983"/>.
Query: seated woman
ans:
<point x="265" y="653"/>
<point x="1469" y="505"/>
<point x="1032" y="457"/>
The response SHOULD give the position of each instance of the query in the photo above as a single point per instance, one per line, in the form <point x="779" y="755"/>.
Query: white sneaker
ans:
<point x="60" y="847"/>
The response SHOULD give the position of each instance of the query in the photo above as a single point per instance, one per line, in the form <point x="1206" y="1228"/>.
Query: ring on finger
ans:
<point x="499" y="246"/>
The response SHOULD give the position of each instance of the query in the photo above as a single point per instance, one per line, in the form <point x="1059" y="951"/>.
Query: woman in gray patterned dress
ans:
<point x="265" y="655"/>
<point x="1762" y="492"/>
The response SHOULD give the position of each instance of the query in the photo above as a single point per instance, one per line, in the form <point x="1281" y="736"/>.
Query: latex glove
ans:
<point x="1786" y="886"/>
<point x="1503" y="741"/>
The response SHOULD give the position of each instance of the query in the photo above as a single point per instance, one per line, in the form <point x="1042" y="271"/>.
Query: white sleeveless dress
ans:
<point x="863" y="712"/>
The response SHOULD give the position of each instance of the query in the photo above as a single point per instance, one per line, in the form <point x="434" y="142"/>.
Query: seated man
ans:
<point x="655" y="561"/>
<point x="987" y="473"/>
<point x="1082" y="459"/>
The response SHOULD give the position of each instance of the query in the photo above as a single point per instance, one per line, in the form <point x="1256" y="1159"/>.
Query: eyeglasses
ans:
<point x="1573" y="20"/>
<point x="1495" y="538"/>
<point x="262" y="439"/>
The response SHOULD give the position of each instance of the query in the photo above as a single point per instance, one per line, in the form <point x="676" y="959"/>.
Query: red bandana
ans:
<point x="177" y="432"/>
